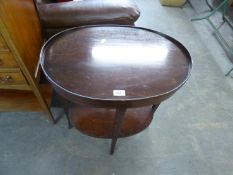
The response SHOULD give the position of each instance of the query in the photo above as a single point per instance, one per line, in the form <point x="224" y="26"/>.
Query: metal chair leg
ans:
<point x="228" y="73"/>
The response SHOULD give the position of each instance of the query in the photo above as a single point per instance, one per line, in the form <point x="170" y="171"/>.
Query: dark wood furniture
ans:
<point x="20" y="44"/>
<point x="56" y="17"/>
<point x="112" y="75"/>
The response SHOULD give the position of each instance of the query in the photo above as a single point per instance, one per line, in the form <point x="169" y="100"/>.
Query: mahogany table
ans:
<point x="115" y="77"/>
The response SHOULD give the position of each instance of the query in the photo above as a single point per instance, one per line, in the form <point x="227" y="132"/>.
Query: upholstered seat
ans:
<point x="56" y="17"/>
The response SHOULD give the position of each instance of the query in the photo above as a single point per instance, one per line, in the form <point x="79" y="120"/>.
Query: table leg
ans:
<point x="67" y="112"/>
<point x="154" y="107"/>
<point x="65" y="104"/>
<point x="120" y="112"/>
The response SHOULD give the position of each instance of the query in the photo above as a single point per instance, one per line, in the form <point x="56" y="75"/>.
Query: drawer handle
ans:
<point x="1" y="62"/>
<point x="6" y="79"/>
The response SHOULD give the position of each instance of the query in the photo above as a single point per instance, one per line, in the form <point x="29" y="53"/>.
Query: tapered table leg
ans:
<point x="120" y="112"/>
<point x="66" y="107"/>
<point x="65" y="104"/>
<point x="155" y="107"/>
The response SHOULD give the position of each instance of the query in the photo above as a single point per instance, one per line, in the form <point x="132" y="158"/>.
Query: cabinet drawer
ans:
<point x="7" y="60"/>
<point x="12" y="78"/>
<point x="3" y="45"/>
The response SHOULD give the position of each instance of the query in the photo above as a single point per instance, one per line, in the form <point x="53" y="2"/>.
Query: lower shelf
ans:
<point x="98" y="122"/>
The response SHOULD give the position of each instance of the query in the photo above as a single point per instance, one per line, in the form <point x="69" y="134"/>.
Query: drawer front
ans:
<point x="3" y="45"/>
<point x="7" y="60"/>
<point x="12" y="78"/>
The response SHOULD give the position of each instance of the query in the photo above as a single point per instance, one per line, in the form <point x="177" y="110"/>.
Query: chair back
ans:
<point x="44" y="1"/>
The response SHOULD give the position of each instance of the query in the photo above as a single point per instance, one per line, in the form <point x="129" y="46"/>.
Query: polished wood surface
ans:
<point x="117" y="67"/>
<point x="20" y="43"/>
<point x="98" y="122"/>
<point x="87" y="64"/>
<point x="7" y="60"/>
<point x="23" y="28"/>
<point x="12" y="78"/>
<point x="3" y="45"/>
<point x="24" y="101"/>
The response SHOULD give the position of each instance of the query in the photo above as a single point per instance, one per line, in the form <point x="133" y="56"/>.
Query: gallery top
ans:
<point x="115" y="64"/>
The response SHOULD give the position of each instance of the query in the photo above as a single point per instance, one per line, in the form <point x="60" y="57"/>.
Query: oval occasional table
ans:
<point x="114" y="77"/>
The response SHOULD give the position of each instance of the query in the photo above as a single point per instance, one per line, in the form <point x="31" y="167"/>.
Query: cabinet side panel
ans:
<point x="23" y="31"/>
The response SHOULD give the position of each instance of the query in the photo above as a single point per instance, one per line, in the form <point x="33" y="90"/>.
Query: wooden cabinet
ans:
<point x="20" y="43"/>
<point x="7" y="61"/>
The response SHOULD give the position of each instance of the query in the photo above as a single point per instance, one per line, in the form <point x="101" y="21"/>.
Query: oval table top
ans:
<point x="115" y="64"/>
